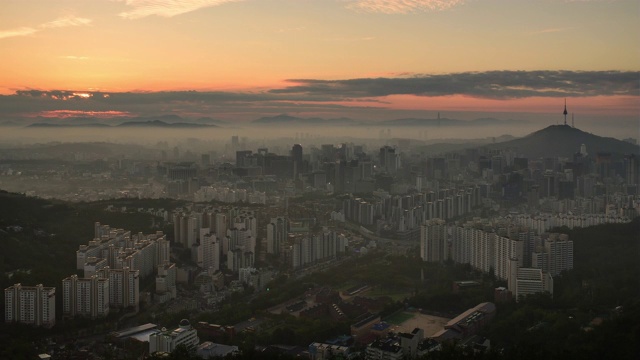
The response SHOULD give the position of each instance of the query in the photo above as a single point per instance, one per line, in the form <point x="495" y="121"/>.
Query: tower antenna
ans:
<point x="565" y="111"/>
<point x="573" y="124"/>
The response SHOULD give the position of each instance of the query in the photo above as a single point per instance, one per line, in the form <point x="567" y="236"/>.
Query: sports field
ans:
<point x="399" y="318"/>
<point x="407" y="321"/>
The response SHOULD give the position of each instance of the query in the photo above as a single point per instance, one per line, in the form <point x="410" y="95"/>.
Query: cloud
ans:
<point x="66" y="21"/>
<point x="351" y="39"/>
<point x="70" y="103"/>
<point x="73" y="57"/>
<point x="356" y="96"/>
<point x="402" y="6"/>
<point x="549" y="30"/>
<point x="22" y="31"/>
<point x="166" y="8"/>
<point x="490" y="84"/>
<point x="57" y="23"/>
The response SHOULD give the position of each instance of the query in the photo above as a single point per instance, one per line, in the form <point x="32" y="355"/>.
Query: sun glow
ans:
<point x="82" y="95"/>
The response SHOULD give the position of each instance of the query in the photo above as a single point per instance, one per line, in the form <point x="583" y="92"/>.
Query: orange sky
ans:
<point x="253" y="46"/>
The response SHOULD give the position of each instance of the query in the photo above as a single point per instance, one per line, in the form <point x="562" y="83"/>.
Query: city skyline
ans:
<point x="362" y="59"/>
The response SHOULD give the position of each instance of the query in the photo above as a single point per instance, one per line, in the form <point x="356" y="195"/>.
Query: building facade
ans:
<point x="33" y="305"/>
<point x="87" y="297"/>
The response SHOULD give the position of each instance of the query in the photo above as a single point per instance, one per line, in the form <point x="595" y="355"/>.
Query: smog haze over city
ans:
<point x="319" y="179"/>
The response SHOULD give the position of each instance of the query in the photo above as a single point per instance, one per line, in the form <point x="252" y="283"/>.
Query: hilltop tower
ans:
<point x="565" y="111"/>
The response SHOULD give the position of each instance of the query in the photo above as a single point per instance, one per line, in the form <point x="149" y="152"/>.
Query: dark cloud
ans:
<point x="490" y="84"/>
<point x="32" y="102"/>
<point x="322" y="96"/>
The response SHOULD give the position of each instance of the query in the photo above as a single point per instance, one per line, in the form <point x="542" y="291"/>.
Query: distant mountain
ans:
<point x="10" y="123"/>
<point x="162" y="124"/>
<point x="208" y="120"/>
<point x="170" y="118"/>
<point x="564" y="141"/>
<point x="450" y="122"/>
<point x="58" y="125"/>
<point x="292" y="120"/>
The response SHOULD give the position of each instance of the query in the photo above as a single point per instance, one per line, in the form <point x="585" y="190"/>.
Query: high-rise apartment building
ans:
<point x="87" y="297"/>
<point x="555" y="256"/>
<point x="434" y="246"/>
<point x="124" y="286"/>
<point x="209" y="252"/>
<point x="33" y="305"/>
<point x="277" y="231"/>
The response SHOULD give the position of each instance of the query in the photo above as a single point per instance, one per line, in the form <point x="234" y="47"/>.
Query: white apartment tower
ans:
<point x="33" y="305"/>
<point x="277" y="231"/>
<point x="434" y="246"/>
<point x="124" y="286"/>
<point x="87" y="297"/>
<point x="555" y="256"/>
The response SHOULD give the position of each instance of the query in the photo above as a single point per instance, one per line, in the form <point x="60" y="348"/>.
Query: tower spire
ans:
<point x="565" y="111"/>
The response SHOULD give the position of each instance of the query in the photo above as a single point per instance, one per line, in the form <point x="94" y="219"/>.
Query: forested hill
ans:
<point x="39" y="238"/>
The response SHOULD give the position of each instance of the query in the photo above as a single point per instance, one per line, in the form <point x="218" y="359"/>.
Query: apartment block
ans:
<point x="33" y="305"/>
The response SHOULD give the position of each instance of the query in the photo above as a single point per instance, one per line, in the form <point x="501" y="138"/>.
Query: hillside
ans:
<point x="39" y="238"/>
<point x="564" y="141"/>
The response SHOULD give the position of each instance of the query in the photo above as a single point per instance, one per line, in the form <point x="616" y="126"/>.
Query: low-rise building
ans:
<point x="320" y="351"/>
<point x="168" y="340"/>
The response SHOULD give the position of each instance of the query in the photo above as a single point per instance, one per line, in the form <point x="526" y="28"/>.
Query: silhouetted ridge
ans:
<point x="158" y="123"/>
<point x="293" y="120"/>
<point x="564" y="141"/>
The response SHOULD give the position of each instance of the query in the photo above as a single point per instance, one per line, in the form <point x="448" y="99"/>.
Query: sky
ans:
<point x="238" y="60"/>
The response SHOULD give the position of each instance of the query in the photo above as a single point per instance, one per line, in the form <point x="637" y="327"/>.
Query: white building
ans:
<point x="434" y="246"/>
<point x="532" y="281"/>
<point x="277" y="232"/>
<point x="33" y="305"/>
<point x="88" y="297"/>
<point x="167" y="341"/>
<point x="124" y="286"/>
<point x="555" y="256"/>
